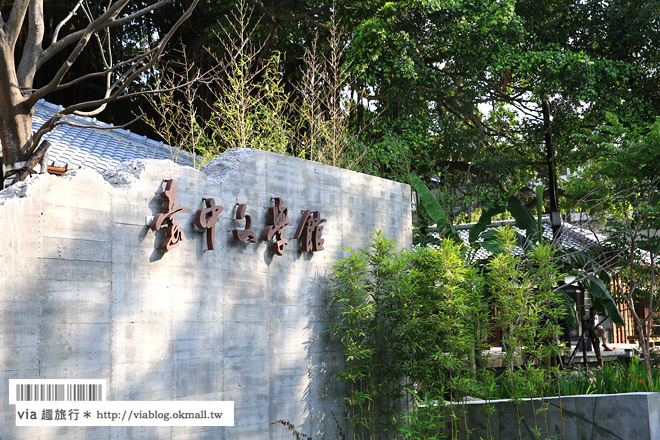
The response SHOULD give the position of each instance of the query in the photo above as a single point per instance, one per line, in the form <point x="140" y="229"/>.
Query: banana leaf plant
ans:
<point x="576" y="262"/>
<point x="434" y="210"/>
<point x="593" y="279"/>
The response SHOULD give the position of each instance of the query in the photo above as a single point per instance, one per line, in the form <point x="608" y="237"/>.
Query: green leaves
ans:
<point x="353" y="293"/>
<point x="572" y="318"/>
<point x="602" y="299"/>
<point x="523" y="216"/>
<point x="620" y="186"/>
<point x="408" y="321"/>
<point x="484" y="221"/>
<point x="433" y="208"/>
<point x="418" y="323"/>
<point x="525" y="220"/>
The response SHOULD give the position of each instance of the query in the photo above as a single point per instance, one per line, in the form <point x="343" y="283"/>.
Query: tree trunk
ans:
<point x="15" y="133"/>
<point x="647" y="363"/>
<point x="644" y="342"/>
<point x="15" y="116"/>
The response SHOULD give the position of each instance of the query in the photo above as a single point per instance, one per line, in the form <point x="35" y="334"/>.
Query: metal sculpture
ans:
<point x="277" y="221"/>
<point x="206" y="218"/>
<point x="174" y="235"/>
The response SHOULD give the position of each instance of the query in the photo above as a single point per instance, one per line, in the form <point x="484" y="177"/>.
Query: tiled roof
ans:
<point x="95" y="146"/>
<point x="571" y="237"/>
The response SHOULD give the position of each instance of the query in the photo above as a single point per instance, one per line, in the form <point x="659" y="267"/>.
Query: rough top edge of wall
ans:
<point x="23" y="189"/>
<point x="123" y="177"/>
<point x="126" y="174"/>
<point x="219" y="168"/>
<point x="20" y="189"/>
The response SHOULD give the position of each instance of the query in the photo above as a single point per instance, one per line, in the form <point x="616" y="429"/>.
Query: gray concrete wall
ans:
<point x="628" y="416"/>
<point x="85" y="292"/>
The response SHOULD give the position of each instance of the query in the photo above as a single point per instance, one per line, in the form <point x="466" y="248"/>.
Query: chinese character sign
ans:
<point x="245" y="233"/>
<point x="174" y="235"/>
<point x="207" y="218"/>
<point x="277" y="221"/>
<point x="310" y="231"/>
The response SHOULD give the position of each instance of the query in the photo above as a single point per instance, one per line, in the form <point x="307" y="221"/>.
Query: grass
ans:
<point x="612" y="378"/>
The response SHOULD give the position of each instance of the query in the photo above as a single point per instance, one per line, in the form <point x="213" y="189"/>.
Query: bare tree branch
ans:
<point x="32" y="163"/>
<point x="116" y="91"/>
<point x="32" y="47"/>
<point x="17" y="98"/>
<point x="107" y="63"/>
<point x="103" y="21"/>
<point x="95" y="26"/>
<point x="97" y="127"/>
<point x="58" y="46"/>
<point x="100" y="73"/>
<point x="140" y="13"/>
<point x="64" y="21"/>
<point x="16" y="17"/>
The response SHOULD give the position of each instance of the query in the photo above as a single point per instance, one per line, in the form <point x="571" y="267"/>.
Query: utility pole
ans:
<point x="555" y="216"/>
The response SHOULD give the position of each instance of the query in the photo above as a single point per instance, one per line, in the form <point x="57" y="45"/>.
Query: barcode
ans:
<point x="39" y="392"/>
<point x="84" y="392"/>
<point x="56" y="390"/>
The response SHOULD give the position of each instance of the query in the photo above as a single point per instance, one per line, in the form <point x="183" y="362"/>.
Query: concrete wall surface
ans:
<point x="85" y="291"/>
<point x="630" y="416"/>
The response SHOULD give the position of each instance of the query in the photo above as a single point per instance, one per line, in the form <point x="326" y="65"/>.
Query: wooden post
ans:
<point x="30" y="164"/>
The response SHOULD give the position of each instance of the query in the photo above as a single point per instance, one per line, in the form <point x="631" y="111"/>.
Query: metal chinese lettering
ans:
<point x="277" y="221"/>
<point x="206" y="218"/>
<point x="310" y="231"/>
<point x="174" y="235"/>
<point x="245" y="233"/>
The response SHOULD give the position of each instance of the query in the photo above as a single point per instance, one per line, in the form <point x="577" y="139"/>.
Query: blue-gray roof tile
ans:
<point x="97" y="145"/>
<point x="571" y="237"/>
